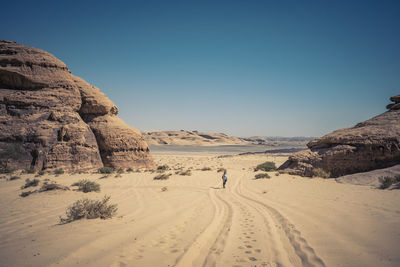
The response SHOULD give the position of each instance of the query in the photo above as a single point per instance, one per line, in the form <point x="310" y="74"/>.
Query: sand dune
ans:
<point x="283" y="221"/>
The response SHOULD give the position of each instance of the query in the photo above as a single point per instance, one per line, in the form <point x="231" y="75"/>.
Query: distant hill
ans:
<point x="195" y="138"/>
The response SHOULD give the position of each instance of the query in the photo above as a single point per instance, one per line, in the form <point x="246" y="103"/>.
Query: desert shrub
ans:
<point x="52" y="186"/>
<point x="162" y="168"/>
<point x="89" y="209"/>
<point x="318" y="172"/>
<point x="14" y="178"/>
<point x="163" y="189"/>
<point x="107" y="170"/>
<point x="59" y="171"/>
<point x="86" y="186"/>
<point x="6" y="170"/>
<point x="40" y="173"/>
<point x="221" y="170"/>
<point x="120" y="170"/>
<point x="205" y="169"/>
<point x="386" y="182"/>
<point x="162" y="176"/>
<point x="29" y="183"/>
<point x="26" y="193"/>
<point x="185" y="173"/>
<point x="266" y="166"/>
<point x="30" y="170"/>
<point x="129" y="170"/>
<point x="261" y="176"/>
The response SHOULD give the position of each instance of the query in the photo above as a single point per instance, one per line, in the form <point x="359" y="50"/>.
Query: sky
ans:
<point x="245" y="68"/>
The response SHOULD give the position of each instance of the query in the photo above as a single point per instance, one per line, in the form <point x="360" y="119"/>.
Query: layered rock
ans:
<point x="369" y="145"/>
<point x="50" y="118"/>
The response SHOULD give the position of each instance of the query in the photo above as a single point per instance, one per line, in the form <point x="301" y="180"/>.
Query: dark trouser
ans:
<point x="223" y="183"/>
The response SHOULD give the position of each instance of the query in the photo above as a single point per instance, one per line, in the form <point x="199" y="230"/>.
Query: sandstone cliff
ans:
<point x="51" y="119"/>
<point x="369" y="145"/>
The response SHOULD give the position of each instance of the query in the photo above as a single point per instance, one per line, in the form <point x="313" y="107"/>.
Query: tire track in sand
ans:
<point x="205" y="251"/>
<point x="299" y="244"/>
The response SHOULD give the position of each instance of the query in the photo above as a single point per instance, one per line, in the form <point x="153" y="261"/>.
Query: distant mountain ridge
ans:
<point x="196" y="138"/>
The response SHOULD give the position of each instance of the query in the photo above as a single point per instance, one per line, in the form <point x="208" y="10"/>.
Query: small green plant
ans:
<point x="106" y="170"/>
<point x="89" y="209"/>
<point x="162" y="176"/>
<point x="29" y="183"/>
<point x="162" y="168"/>
<point x="205" y="169"/>
<point x="266" y="166"/>
<point x="318" y="172"/>
<point x="59" y="171"/>
<point x="261" y="176"/>
<point x="86" y="186"/>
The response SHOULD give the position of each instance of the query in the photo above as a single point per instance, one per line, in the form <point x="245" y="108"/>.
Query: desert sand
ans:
<point x="286" y="220"/>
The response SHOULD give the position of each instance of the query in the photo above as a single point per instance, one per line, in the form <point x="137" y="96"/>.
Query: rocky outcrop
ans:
<point x="372" y="144"/>
<point x="51" y="119"/>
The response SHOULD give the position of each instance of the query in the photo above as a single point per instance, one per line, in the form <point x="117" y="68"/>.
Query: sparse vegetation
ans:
<point x="30" y="170"/>
<point x="59" y="171"/>
<point x="387" y="181"/>
<point x="29" y="183"/>
<point x="6" y="170"/>
<point x="120" y="170"/>
<point x="86" y="186"/>
<point x="205" y="169"/>
<point x="41" y="173"/>
<point x="184" y="173"/>
<point x="162" y="168"/>
<point x="221" y="170"/>
<point x="26" y="193"/>
<point x="163" y="176"/>
<point x="129" y="170"/>
<point x="52" y="186"/>
<point x="266" y="166"/>
<point x="14" y="178"/>
<point x="318" y="172"/>
<point x="262" y="175"/>
<point x="106" y="170"/>
<point x="90" y="209"/>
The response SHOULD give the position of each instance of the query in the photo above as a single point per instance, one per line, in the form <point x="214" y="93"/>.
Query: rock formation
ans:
<point x="51" y="119"/>
<point x="372" y="144"/>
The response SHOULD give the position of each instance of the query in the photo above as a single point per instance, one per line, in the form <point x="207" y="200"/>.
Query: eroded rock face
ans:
<point x="51" y="119"/>
<point x="369" y="145"/>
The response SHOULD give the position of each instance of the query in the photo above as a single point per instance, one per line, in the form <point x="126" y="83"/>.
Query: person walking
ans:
<point x="224" y="179"/>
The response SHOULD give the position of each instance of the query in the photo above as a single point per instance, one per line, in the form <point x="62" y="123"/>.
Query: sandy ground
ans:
<point x="282" y="221"/>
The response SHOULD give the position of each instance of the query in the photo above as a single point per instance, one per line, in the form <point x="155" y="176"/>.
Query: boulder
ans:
<point x="47" y="115"/>
<point x="369" y="145"/>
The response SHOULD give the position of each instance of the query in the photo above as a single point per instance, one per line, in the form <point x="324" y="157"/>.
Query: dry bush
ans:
<point x="52" y="186"/>
<point x="205" y="169"/>
<point x="106" y="170"/>
<point x="266" y="166"/>
<point x="318" y="172"/>
<point x="89" y="209"/>
<point x="162" y="176"/>
<point x="184" y="173"/>
<point x="14" y="178"/>
<point x="261" y="176"/>
<point x="29" y="183"/>
<point x="162" y="168"/>
<point x="387" y="181"/>
<point x="86" y="186"/>
<point x="59" y="171"/>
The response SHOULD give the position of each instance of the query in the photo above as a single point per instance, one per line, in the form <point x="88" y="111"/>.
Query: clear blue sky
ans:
<point x="285" y="68"/>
